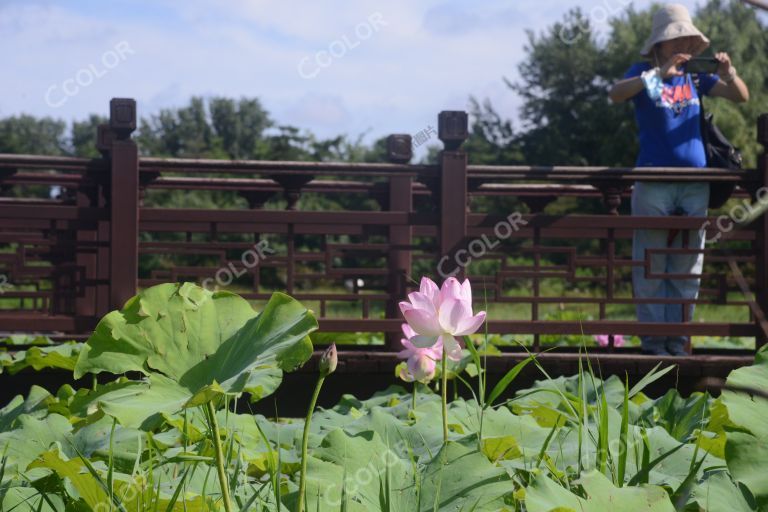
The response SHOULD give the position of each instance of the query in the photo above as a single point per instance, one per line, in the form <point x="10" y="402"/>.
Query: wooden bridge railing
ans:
<point x="548" y="248"/>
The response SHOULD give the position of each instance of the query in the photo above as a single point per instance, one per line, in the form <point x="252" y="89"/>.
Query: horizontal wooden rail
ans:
<point x="544" y="267"/>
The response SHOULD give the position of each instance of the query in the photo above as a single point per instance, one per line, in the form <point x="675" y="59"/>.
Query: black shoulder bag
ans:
<point x="719" y="152"/>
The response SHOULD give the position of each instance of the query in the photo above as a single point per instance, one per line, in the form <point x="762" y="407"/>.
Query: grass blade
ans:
<point x="177" y="492"/>
<point x="623" y="435"/>
<point x="602" y="443"/>
<point x="652" y="376"/>
<point x="510" y="376"/>
<point x="642" y="475"/>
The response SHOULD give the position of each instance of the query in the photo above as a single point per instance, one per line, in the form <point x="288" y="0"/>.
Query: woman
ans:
<point x="667" y="110"/>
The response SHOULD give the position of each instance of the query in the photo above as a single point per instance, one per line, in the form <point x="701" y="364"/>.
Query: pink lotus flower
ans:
<point x="421" y="362"/>
<point x="441" y="314"/>
<point x="602" y="340"/>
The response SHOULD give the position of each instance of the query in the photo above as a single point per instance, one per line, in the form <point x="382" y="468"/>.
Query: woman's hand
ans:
<point x="673" y="66"/>
<point x="724" y="69"/>
<point x="730" y="86"/>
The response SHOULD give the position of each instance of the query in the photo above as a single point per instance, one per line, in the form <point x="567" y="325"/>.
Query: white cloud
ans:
<point x="317" y="109"/>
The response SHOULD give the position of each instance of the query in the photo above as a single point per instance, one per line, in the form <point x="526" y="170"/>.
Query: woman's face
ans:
<point x="686" y="44"/>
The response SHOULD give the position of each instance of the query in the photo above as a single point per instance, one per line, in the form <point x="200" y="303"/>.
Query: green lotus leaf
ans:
<point x="194" y="345"/>
<point x="33" y="437"/>
<point x="544" y="495"/>
<point x="718" y="492"/>
<point x="746" y="445"/>
<point x="168" y="328"/>
<point x="362" y="472"/>
<point x="62" y="356"/>
<point x="29" y="499"/>
<point x="34" y="405"/>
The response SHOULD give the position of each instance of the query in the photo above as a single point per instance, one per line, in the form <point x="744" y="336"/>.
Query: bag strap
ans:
<point x="702" y="113"/>
<point x="697" y="83"/>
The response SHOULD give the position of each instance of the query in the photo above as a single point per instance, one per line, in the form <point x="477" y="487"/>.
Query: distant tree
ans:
<point x="566" y="115"/>
<point x="83" y="141"/>
<point x="30" y="135"/>
<point x="736" y="28"/>
<point x="492" y="139"/>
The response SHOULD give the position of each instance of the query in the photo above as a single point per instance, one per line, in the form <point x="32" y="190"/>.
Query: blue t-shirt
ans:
<point x="670" y="129"/>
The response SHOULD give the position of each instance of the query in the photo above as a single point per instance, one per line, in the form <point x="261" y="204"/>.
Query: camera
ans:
<point x="702" y="65"/>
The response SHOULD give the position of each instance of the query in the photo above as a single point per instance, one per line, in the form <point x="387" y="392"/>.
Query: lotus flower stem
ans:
<point x="223" y="482"/>
<point x="444" y="391"/>
<point x="413" y="396"/>
<point x="328" y="362"/>
<point x="305" y="443"/>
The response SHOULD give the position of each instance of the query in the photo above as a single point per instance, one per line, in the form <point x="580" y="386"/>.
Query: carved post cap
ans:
<point x="453" y="128"/>
<point x="122" y="117"/>
<point x="399" y="148"/>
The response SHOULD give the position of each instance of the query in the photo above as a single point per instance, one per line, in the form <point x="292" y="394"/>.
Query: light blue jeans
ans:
<point x="663" y="199"/>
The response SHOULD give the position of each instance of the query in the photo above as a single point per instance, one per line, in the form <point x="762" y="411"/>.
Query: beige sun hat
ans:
<point x="670" y="22"/>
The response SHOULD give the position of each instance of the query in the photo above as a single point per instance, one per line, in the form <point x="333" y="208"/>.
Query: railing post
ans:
<point x="400" y="199"/>
<point x="124" y="203"/>
<point x="761" y="272"/>
<point x="453" y="130"/>
<point x="86" y="260"/>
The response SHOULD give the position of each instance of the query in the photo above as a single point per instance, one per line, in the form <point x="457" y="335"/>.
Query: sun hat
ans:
<point x="671" y="22"/>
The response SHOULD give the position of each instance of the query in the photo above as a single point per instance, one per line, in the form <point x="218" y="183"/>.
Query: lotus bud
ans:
<point x="328" y="361"/>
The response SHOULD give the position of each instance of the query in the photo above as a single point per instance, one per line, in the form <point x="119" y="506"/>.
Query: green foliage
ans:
<point x="566" y="116"/>
<point x="194" y="346"/>
<point x="27" y="134"/>
<point x="621" y="450"/>
<point x="746" y="432"/>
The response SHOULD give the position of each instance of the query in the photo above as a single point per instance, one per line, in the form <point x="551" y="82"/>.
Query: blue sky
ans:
<point x="331" y="67"/>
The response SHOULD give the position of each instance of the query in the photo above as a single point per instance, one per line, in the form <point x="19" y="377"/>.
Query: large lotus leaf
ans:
<point x="25" y="339"/>
<point x="421" y="440"/>
<point x="62" y="356"/>
<point x="747" y="458"/>
<point x="374" y="477"/>
<point x="679" y="416"/>
<point x="34" y="437"/>
<point x="746" y="445"/>
<point x="29" y="499"/>
<point x="746" y="411"/>
<point x="84" y="401"/>
<point x="131" y="492"/>
<point x="101" y="437"/>
<point x="392" y="396"/>
<point x="544" y="495"/>
<point x="501" y="422"/>
<point x="142" y="404"/>
<point x="85" y="484"/>
<point x="460" y="477"/>
<point x="34" y="404"/>
<point x="718" y="492"/>
<point x="673" y="469"/>
<point x="563" y="450"/>
<point x="167" y="328"/>
<point x="593" y="388"/>
<point x="6" y="360"/>
<point x="354" y="470"/>
<point x="603" y="495"/>
<point x="206" y="343"/>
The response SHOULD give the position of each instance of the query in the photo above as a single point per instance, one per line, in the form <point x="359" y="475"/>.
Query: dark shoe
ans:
<point x="676" y="346"/>
<point x="654" y="346"/>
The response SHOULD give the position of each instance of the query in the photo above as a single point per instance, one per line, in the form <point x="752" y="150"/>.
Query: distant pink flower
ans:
<point x="602" y="340"/>
<point x="421" y="362"/>
<point x="441" y="314"/>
